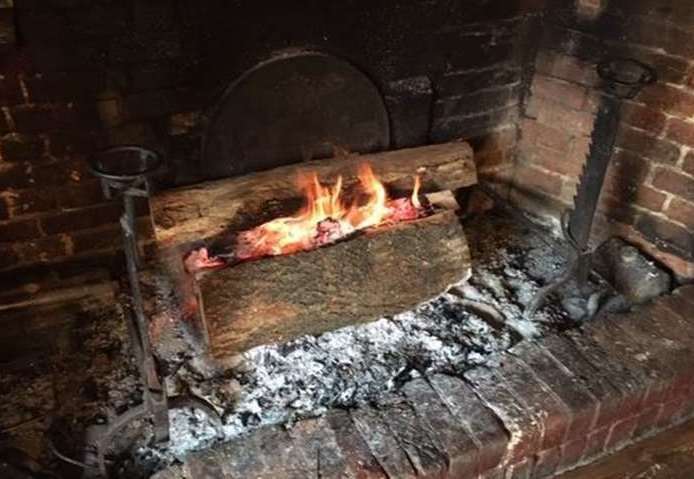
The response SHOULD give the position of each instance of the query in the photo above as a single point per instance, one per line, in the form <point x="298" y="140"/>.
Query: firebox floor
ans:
<point x="92" y="373"/>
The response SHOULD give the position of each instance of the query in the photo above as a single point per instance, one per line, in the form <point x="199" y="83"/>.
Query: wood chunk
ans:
<point x="378" y="272"/>
<point x="200" y="212"/>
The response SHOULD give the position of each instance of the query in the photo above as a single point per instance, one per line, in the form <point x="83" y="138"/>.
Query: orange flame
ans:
<point x="325" y="218"/>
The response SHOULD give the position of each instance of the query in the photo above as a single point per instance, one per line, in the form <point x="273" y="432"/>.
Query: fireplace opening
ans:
<point x="412" y="239"/>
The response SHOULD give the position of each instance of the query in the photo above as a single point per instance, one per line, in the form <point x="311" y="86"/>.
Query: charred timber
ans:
<point x="202" y="212"/>
<point x="380" y="271"/>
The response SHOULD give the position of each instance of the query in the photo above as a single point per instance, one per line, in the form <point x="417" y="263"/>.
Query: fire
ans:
<point x="326" y="217"/>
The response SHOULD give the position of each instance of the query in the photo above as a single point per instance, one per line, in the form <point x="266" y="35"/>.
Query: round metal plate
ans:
<point x="291" y="109"/>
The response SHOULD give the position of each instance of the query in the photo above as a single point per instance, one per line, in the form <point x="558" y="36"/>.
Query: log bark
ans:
<point x="202" y="212"/>
<point x="381" y="271"/>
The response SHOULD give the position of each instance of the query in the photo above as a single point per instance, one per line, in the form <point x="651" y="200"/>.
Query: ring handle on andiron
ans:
<point x="624" y="77"/>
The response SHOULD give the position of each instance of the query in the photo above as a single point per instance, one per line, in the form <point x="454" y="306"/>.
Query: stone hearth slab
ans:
<point x="549" y="406"/>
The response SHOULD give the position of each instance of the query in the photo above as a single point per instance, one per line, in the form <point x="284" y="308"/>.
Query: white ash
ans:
<point x="282" y="383"/>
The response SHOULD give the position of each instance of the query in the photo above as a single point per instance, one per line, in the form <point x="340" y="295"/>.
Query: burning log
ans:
<point x="203" y="212"/>
<point x="379" y="271"/>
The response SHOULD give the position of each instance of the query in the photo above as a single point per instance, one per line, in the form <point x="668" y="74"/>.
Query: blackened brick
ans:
<point x="43" y="118"/>
<point x="478" y="420"/>
<point x="643" y="144"/>
<point x="680" y="131"/>
<point x="669" y="99"/>
<point x="681" y="211"/>
<point x="534" y="132"/>
<point x="628" y="377"/>
<point x="60" y="86"/>
<point x="354" y="449"/>
<point x="42" y="250"/>
<point x="595" y="442"/>
<point x="583" y="406"/>
<point x="424" y="451"/>
<point x="80" y="219"/>
<point x="459" y="447"/>
<point x="61" y="173"/>
<point x="667" y="235"/>
<point x="8" y="257"/>
<point x="572" y="452"/>
<point x="30" y="201"/>
<point x="688" y="165"/>
<point x="525" y="430"/>
<point x="446" y="129"/>
<point x="317" y="442"/>
<point x="475" y="103"/>
<point x="15" y="176"/>
<point x="16" y="147"/>
<point x="19" y="230"/>
<point x="621" y="433"/>
<point x="382" y="443"/>
<point x="643" y="117"/>
<point x="547" y="462"/>
<point x="528" y="176"/>
<point x="10" y="91"/>
<point x="552" y="113"/>
<point x="549" y="410"/>
<point x="566" y="67"/>
<point x="607" y="395"/>
<point x="97" y="239"/>
<point x="563" y="92"/>
<point x="464" y="83"/>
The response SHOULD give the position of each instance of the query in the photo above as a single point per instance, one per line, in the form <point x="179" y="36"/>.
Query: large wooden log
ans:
<point x="378" y="272"/>
<point x="203" y="211"/>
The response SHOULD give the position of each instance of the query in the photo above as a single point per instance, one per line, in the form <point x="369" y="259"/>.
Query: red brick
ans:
<point x="681" y="211"/>
<point x="535" y="179"/>
<point x="19" y="230"/>
<point x="643" y="117"/>
<point x="553" y="161"/>
<point x="674" y="182"/>
<point x="552" y="113"/>
<point x="680" y="131"/>
<point x="23" y="148"/>
<point x="622" y="432"/>
<point x="560" y="91"/>
<point x="648" y="198"/>
<point x="643" y="144"/>
<point x="667" y="236"/>
<point x="595" y="443"/>
<point x="669" y="99"/>
<point x="534" y="132"/>
<point x="648" y="421"/>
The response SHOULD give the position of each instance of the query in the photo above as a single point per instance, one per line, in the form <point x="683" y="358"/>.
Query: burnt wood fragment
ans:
<point x="204" y="211"/>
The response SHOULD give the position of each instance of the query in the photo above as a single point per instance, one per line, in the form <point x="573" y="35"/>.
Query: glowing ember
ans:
<point x="326" y="218"/>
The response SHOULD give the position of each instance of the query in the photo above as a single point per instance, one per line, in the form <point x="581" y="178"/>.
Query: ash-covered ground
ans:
<point x="455" y="331"/>
<point x="282" y="383"/>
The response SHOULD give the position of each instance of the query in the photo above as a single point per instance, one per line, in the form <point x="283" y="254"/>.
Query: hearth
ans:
<point x="393" y="240"/>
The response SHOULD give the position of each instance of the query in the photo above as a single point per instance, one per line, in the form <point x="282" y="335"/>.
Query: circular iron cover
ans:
<point x="291" y="109"/>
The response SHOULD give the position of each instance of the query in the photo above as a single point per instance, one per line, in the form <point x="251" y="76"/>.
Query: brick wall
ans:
<point x="76" y="76"/>
<point x="649" y="191"/>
